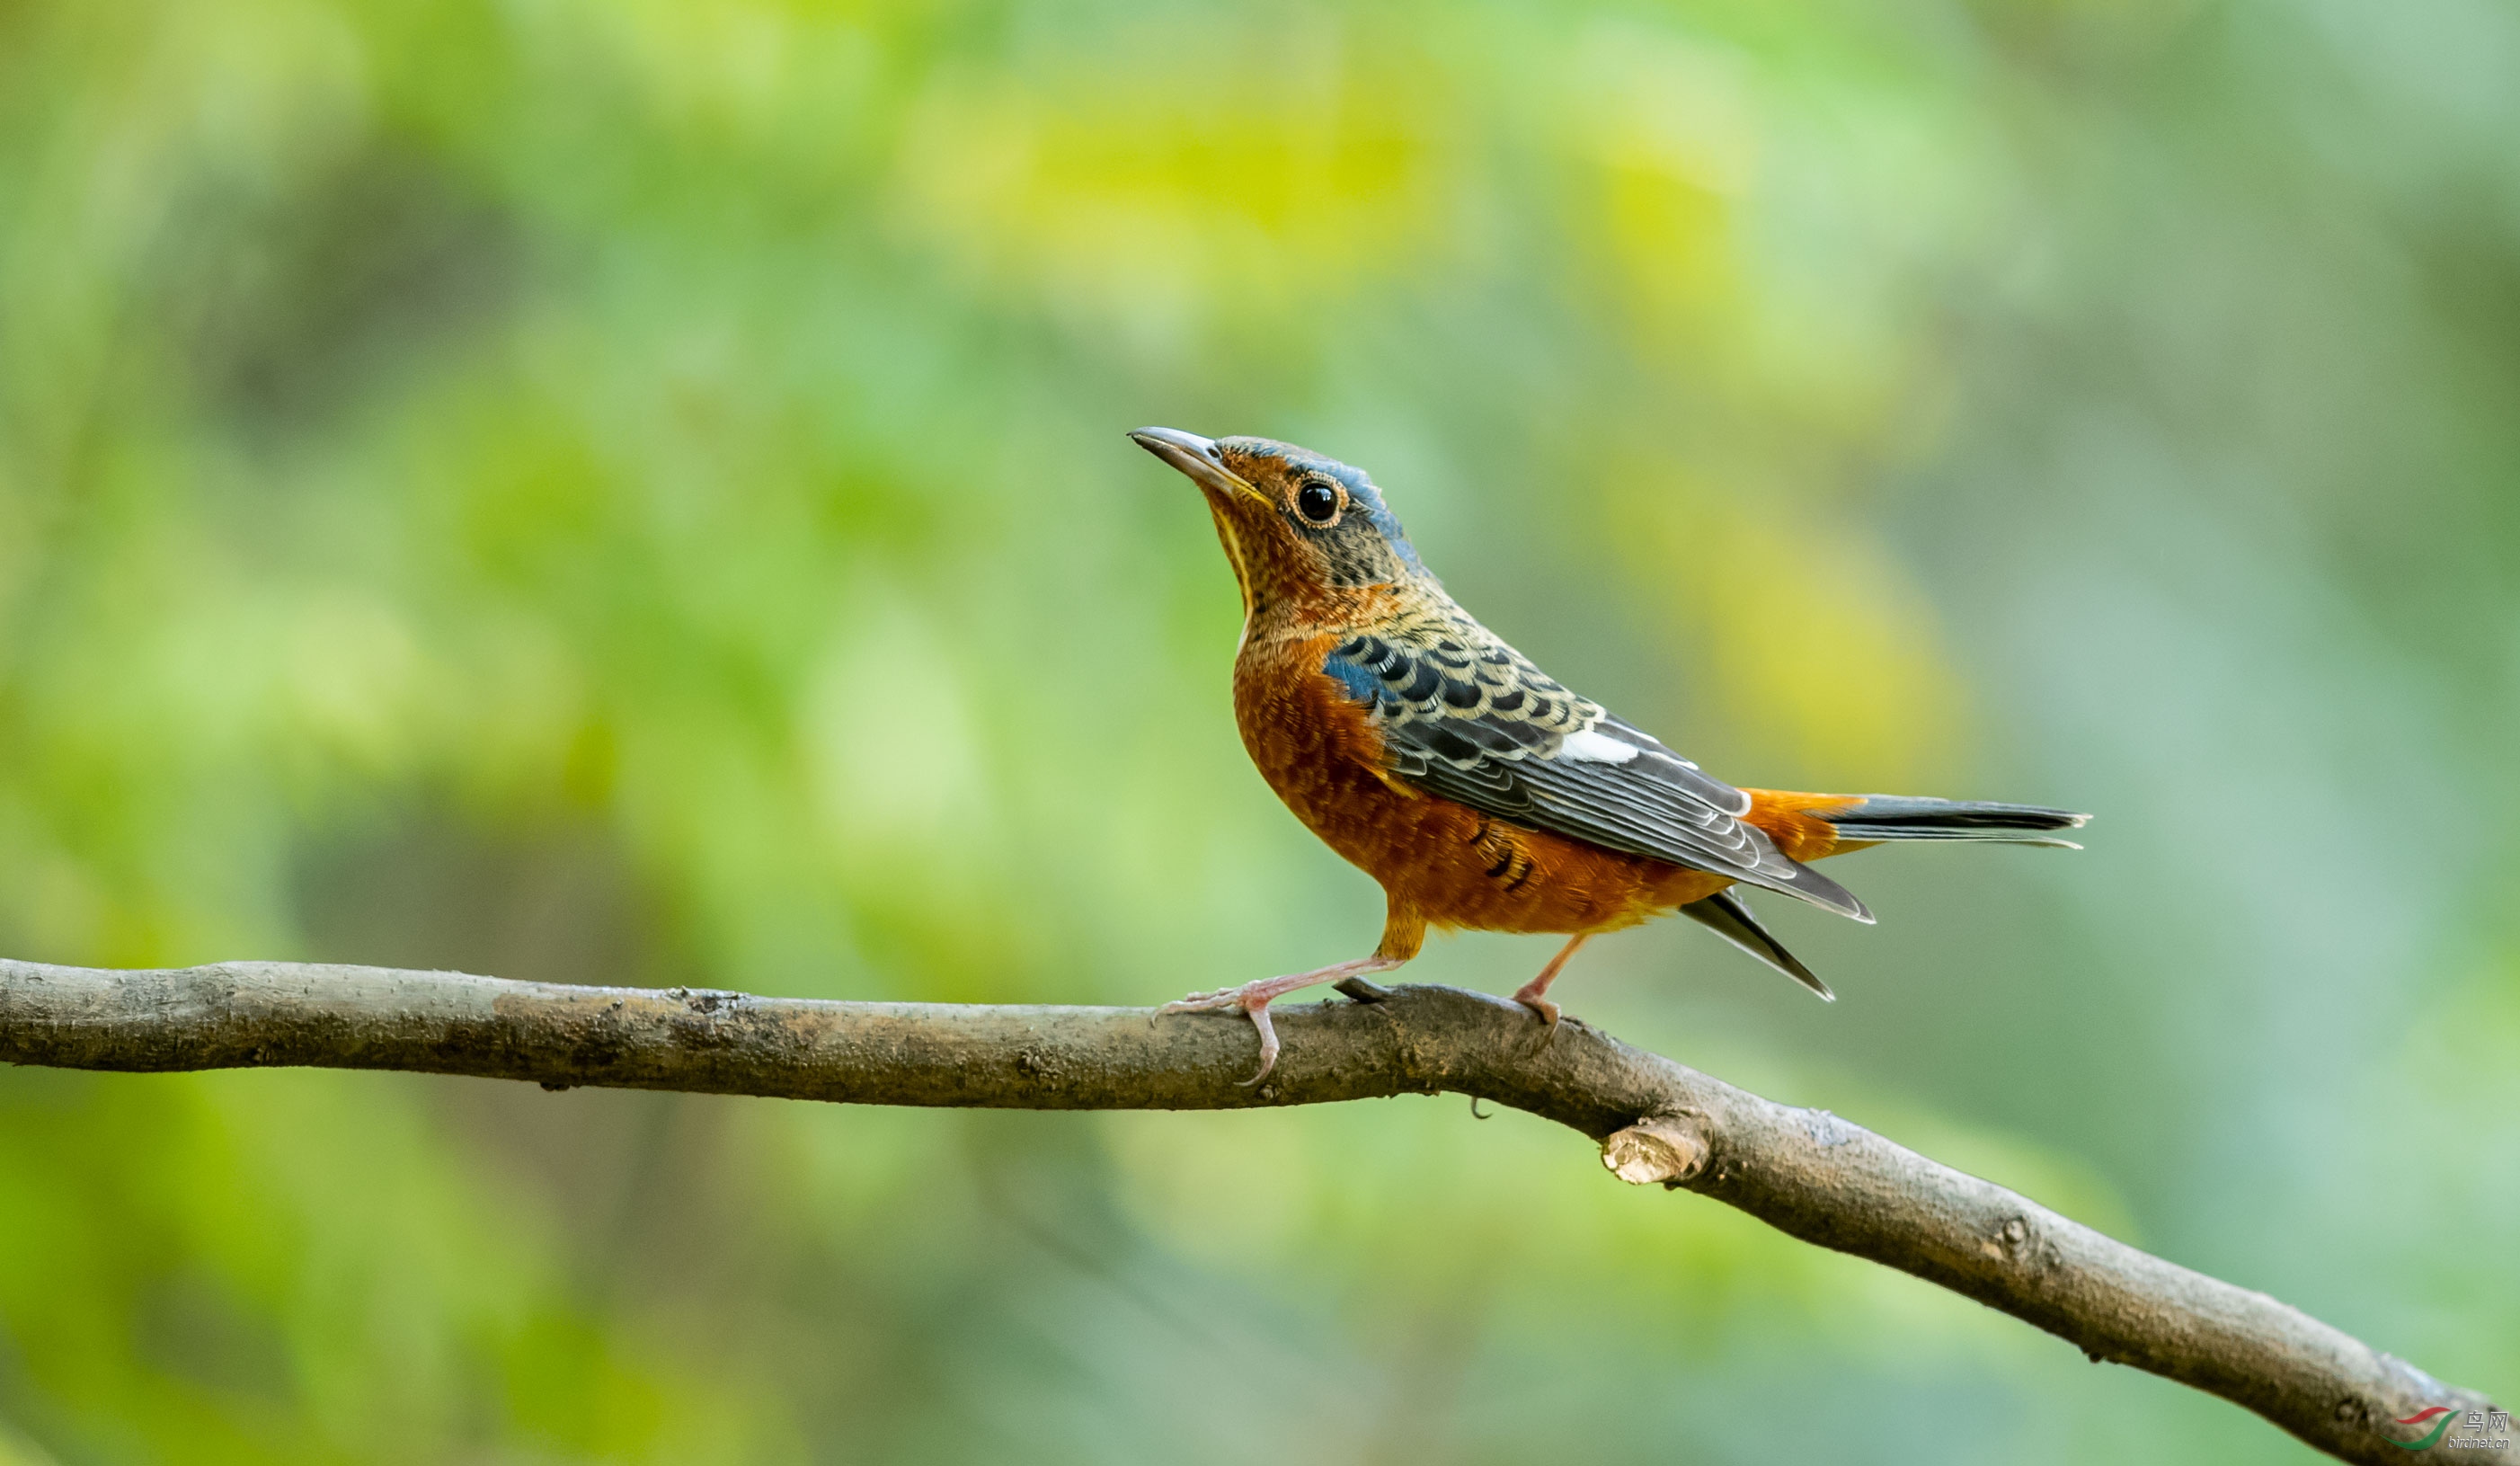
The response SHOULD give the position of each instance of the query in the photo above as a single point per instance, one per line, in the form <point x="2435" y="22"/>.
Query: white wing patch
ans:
<point x="1589" y="747"/>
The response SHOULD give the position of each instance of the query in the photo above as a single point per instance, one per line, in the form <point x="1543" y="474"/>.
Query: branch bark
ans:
<point x="1804" y="1171"/>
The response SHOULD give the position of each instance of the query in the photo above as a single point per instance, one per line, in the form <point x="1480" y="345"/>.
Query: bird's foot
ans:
<point x="1533" y="994"/>
<point x="1253" y="1000"/>
<point x="1529" y="996"/>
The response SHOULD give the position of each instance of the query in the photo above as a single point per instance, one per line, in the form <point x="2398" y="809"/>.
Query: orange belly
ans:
<point x="1442" y="863"/>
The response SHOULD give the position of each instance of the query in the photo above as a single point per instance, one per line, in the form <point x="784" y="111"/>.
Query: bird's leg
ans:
<point x="1404" y="932"/>
<point x="1253" y="998"/>
<point x="1534" y="993"/>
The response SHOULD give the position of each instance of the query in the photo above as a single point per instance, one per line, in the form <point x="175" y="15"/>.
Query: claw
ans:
<point x="1268" y="1043"/>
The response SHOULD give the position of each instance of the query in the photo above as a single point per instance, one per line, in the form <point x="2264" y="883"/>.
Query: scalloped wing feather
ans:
<point x="1466" y="717"/>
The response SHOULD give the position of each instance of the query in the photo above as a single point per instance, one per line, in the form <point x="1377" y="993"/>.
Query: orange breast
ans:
<point x="1441" y="861"/>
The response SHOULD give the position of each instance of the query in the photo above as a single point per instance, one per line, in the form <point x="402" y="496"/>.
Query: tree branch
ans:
<point x="1804" y="1171"/>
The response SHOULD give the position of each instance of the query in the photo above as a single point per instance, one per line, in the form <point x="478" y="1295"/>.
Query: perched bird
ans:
<point x="1479" y="792"/>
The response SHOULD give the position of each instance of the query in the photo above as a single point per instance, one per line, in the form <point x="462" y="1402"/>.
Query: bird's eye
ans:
<point x="1318" y="502"/>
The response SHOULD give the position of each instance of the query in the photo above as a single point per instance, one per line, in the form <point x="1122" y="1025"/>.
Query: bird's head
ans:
<point x="1298" y="527"/>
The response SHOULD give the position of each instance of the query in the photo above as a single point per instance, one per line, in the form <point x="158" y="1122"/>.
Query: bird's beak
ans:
<point x="1198" y="458"/>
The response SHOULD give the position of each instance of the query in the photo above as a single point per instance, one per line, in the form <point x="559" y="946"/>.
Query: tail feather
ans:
<point x="1728" y="917"/>
<point x="1891" y="816"/>
<point x="1808" y="826"/>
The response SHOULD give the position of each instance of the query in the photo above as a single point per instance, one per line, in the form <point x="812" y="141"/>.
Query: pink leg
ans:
<point x="1253" y="998"/>
<point x="1533" y="994"/>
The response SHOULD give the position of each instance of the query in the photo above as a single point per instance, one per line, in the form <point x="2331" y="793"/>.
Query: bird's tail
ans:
<point x="1810" y="826"/>
<point x="1891" y="816"/>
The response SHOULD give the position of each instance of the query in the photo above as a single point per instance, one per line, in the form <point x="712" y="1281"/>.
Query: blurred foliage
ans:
<point x="634" y="492"/>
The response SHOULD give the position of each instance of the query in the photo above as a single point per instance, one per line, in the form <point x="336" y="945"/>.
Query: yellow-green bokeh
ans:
<point x="635" y="492"/>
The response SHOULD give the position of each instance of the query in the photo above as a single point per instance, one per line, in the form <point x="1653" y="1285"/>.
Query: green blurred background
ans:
<point x="634" y="492"/>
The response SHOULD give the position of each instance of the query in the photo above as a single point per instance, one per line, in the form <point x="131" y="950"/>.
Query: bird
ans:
<point x="1478" y="791"/>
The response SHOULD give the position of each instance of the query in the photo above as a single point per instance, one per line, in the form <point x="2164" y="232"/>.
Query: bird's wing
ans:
<point x="1468" y="718"/>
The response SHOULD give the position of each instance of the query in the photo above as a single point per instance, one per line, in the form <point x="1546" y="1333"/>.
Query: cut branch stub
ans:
<point x="1665" y="1148"/>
